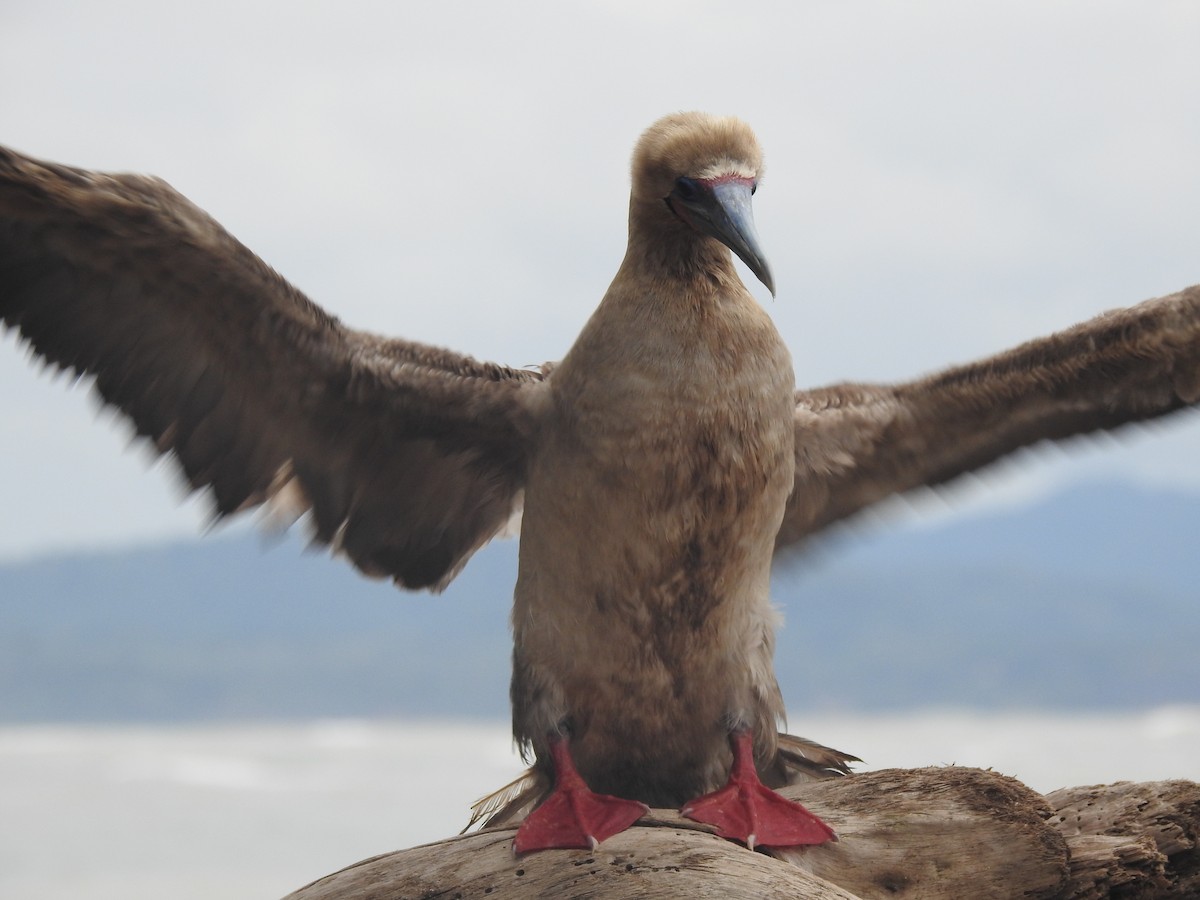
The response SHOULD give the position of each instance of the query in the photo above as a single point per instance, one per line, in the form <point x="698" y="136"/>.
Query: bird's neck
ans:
<point x="664" y="250"/>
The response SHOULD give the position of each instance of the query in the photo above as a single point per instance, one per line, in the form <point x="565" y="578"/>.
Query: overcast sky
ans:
<point x="944" y="180"/>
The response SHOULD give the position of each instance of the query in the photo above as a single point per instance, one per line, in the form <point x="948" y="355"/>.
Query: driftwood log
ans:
<point x="933" y="834"/>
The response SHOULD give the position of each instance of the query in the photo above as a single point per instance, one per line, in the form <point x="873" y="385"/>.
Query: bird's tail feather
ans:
<point x="805" y="760"/>
<point x="512" y="803"/>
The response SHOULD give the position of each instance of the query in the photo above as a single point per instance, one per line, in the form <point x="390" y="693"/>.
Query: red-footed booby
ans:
<point x="660" y="465"/>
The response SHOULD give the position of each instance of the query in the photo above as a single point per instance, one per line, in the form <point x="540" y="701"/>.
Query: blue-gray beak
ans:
<point x="722" y="209"/>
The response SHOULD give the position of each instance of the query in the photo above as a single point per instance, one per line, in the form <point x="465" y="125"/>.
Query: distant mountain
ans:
<point x="1088" y="599"/>
<point x="235" y="628"/>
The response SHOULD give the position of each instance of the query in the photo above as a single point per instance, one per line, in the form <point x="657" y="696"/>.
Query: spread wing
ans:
<point x="408" y="457"/>
<point x="857" y="444"/>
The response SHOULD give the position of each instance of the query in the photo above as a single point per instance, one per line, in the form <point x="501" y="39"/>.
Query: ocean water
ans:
<point x="256" y="811"/>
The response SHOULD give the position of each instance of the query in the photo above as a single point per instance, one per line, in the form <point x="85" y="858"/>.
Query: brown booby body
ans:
<point x="659" y="465"/>
<point x="643" y="628"/>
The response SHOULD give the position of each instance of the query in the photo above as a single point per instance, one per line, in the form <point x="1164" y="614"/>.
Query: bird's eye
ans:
<point x="753" y="188"/>
<point x="686" y="189"/>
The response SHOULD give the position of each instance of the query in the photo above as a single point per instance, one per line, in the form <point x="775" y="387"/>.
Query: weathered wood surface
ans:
<point x="1135" y="841"/>
<point x="923" y="833"/>
<point x="938" y="834"/>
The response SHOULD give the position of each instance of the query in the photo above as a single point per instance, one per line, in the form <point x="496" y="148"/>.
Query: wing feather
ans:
<point x="409" y="457"/>
<point x="857" y="444"/>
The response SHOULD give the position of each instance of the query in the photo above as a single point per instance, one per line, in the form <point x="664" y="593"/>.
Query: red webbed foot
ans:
<point x="746" y="810"/>
<point x="573" y="816"/>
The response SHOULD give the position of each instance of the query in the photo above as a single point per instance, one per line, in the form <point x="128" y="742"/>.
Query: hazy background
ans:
<point x="945" y="180"/>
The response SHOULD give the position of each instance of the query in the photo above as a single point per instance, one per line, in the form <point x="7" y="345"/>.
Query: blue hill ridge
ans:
<point x="1087" y="599"/>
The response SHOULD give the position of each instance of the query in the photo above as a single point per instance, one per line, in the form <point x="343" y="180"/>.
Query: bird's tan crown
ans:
<point x="695" y="145"/>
